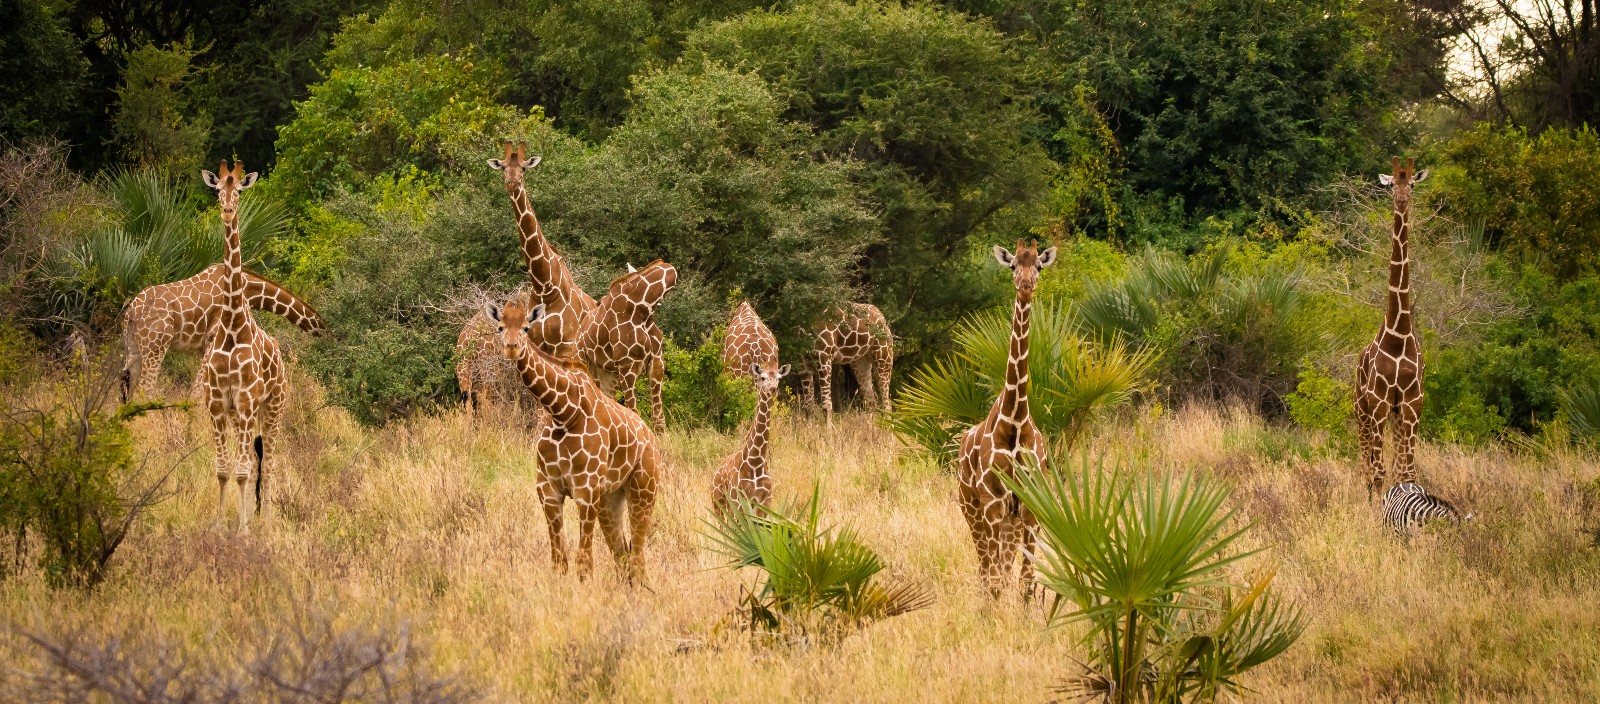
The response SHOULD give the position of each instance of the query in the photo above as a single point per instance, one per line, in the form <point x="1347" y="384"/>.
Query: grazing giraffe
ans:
<point x="178" y="316"/>
<point x="565" y="304"/>
<point x="857" y="336"/>
<point x="619" y="339"/>
<point x="1004" y="442"/>
<point x="593" y="450"/>
<point x="1389" y="373"/>
<point x="744" y="473"/>
<point x="748" y="342"/>
<point x="483" y="373"/>
<point x="243" y="370"/>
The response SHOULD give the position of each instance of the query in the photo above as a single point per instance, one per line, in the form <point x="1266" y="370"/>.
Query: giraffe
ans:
<point x="619" y="339"/>
<point x="565" y="303"/>
<point x="593" y="449"/>
<point x="744" y="473"/>
<point x="483" y="373"/>
<point x="858" y="336"/>
<point x="178" y="316"/>
<point x="243" y="370"/>
<point x="748" y="341"/>
<point x="1389" y="373"/>
<point x="997" y="445"/>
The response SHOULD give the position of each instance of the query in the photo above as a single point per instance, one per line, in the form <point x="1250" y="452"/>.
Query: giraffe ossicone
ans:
<point x="1389" y="371"/>
<point x="1005" y="442"/>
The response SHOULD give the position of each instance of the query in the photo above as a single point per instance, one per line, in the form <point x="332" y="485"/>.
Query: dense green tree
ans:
<point x="41" y="70"/>
<point x="935" y="105"/>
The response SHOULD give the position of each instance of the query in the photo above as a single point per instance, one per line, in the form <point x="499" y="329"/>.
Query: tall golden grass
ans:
<point x="434" y="523"/>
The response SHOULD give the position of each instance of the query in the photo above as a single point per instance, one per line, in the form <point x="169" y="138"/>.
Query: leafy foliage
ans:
<point x="1582" y="403"/>
<point x="700" y="393"/>
<point x="1074" y="380"/>
<point x="158" y="122"/>
<point x="43" y="68"/>
<point x="1142" y="560"/>
<point x="816" y="582"/>
<point x="69" y="472"/>
<point x="1322" y="402"/>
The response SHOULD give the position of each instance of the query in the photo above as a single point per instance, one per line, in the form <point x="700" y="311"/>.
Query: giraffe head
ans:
<point x="766" y="376"/>
<point x="1403" y="176"/>
<point x="513" y="163"/>
<point x="229" y="184"/>
<point x="513" y="321"/>
<point x="1025" y="265"/>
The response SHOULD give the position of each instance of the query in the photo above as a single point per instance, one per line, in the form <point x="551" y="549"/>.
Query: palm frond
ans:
<point x="1582" y="403"/>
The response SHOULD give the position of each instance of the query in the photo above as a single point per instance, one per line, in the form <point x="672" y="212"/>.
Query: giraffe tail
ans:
<point x="258" y="473"/>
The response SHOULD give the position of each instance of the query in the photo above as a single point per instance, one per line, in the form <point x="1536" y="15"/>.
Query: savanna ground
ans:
<point x="431" y="529"/>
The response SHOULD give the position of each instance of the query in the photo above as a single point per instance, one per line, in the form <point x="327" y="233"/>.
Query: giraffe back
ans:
<point x="621" y="332"/>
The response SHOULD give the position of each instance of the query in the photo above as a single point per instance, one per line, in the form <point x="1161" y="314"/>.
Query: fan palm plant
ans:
<point x="152" y="233"/>
<point x="1141" y="559"/>
<point x="1075" y="380"/>
<point x="815" y="581"/>
<point x="1582" y="403"/>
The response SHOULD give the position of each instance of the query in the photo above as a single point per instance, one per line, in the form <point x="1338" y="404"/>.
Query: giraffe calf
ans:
<point x="744" y="473"/>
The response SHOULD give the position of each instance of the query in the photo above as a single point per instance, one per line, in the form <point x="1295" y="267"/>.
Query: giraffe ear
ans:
<point x="533" y="162"/>
<point x="493" y="311"/>
<point x="249" y="180"/>
<point x="536" y="313"/>
<point x="1421" y="176"/>
<point x="1004" y="257"/>
<point x="209" y="178"/>
<point x="496" y="164"/>
<point x="1047" y="257"/>
<point x="631" y="268"/>
<point x="1386" y="179"/>
<point x="755" y="370"/>
<point x="783" y="371"/>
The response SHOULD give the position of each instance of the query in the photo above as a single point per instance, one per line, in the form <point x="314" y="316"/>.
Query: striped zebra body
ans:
<point x="1407" y="506"/>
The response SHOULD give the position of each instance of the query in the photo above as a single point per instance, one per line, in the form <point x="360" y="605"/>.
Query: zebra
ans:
<point x="1407" y="506"/>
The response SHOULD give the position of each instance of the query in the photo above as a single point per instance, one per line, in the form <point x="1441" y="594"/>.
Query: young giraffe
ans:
<point x="242" y="369"/>
<point x="857" y="336"/>
<point x="997" y="445"/>
<point x="565" y="304"/>
<point x="593" y="450"/>
<point x="1389" y="373"/>
<point x="178" y="316"/>
<point x="483" y="373"/>
<point x="744" y="473"/>
<point x="747" y="342"/>
<point x="619" y="339"/>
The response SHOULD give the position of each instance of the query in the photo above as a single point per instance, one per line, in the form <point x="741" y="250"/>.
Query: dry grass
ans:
<point x="434" y="525"/>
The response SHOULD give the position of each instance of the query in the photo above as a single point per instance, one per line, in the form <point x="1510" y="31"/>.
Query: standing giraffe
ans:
<point x="744" y="473"/>
<point x="1389" y="373"/>
<point x="483" y="373"/>
<point x="858" y="336"/>
<point x="998" y="445"/>
<point x="178" y="316"/>
<point x="748" y="342"/>
<point x="242" y="369"/>
<point x="619" y="339"/>
<point x="594" y="450"/>
<point x="565" y="304"/>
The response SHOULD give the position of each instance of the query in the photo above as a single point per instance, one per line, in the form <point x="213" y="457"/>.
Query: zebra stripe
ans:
<point x="1407" y="506"/>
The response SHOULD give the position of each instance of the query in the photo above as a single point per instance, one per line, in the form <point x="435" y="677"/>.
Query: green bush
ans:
<point x="700" y="393"/>
<point x="1321" y="402"/>
<point x="1537" y="197"/>
<point x="69" y="473"/>
<point x="1141" y="558"/>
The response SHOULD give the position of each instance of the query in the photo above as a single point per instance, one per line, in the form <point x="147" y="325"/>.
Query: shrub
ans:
<point x="700" y="393"/>
<point x="69" y="472"/>
<point x="1321" y="402"/>
<point x="1582" y="404"/>
<point x="1074" y="381"/>
<point x="815" y="582"/>
<point x="1141" y="559"/>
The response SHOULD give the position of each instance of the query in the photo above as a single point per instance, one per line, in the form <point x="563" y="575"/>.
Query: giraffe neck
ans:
<point x="266" y="295"/>
<point x="548" y="272"/>
<point x="562" y="391"/>
<point x="755" y="442"/>
<point x="1012" y="405"/>
<point x="234" y="310"/>
<point x="1397" y="320"/>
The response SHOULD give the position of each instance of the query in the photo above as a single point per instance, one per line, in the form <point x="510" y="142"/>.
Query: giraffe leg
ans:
<point x="1406" y="439"/>
<point x="588" y="516"/>
<point x="266" y="467"/>
<point x="985" y="538"/>
<point x="550" y="499"/>
<point x="220" y="435"/>
<point x="862" y="369"/>
<point x="808" y="389"/>
<point x="825" y="385"/>
<point x="641" y="509"/>
<point x="658" y="377"/>
<point x="244" y="458"/>
<point x="612" y="510"/>
<point x="150" y="369"/>
<point x="884" y="368"/>
<point x="1029" y="527"/>
<point x="1374" y="454"/>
